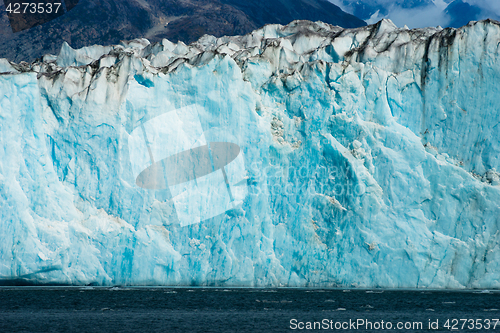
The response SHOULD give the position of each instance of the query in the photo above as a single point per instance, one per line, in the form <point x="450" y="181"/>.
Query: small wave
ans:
<point x="329" y="301"/>
<point x="430" y="310"/>
<point x="482" y="292"/>
<point x="374" y="292"/>
<point x="341" y="309"/>
<point x="170" y="292"/>
<point x="490" y="309"/>
<point x="449" y="302"/>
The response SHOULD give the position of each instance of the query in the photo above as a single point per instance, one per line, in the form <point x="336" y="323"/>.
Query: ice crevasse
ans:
<point x="299" y="155"/>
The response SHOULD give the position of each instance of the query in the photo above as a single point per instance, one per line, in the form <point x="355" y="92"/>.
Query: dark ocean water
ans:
<point x="87" y="309"/>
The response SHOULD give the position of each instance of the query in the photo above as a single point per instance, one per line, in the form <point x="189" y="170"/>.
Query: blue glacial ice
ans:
<point x="363" y="158"/>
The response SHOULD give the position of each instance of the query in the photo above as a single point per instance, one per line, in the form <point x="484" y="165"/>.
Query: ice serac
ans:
<point x="363" y="157"/>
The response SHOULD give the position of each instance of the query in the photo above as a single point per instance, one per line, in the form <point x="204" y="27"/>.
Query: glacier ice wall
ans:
<point x="370" y="157"/>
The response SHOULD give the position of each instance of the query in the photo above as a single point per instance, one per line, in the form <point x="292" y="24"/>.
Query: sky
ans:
<point x="425" y="16"/>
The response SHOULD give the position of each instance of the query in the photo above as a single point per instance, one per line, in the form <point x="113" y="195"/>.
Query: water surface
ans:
<point x="149" y="309"/>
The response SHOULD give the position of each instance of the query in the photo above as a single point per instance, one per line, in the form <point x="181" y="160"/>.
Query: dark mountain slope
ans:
<point x="461" y="13"/>
<point x="284" y="11"/>
<point x="109" y="21"/>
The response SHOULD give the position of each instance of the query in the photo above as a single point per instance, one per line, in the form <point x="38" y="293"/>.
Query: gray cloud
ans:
<point x="426" y="15"/>
<point x="491" y="8"/>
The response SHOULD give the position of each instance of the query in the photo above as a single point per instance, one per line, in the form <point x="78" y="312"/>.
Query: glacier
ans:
<point x="368" y="158"/>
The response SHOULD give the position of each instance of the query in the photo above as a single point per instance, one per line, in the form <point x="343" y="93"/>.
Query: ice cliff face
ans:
<point x="364" y="157"/>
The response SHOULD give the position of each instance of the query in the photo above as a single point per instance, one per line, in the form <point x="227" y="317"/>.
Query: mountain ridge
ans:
<point x="106" y="22"/>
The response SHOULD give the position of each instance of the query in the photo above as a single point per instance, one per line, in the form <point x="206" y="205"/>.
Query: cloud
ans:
<point x="428" y="16"/>
<point x="490" y="8"/>
<point x="342" y="6"/>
